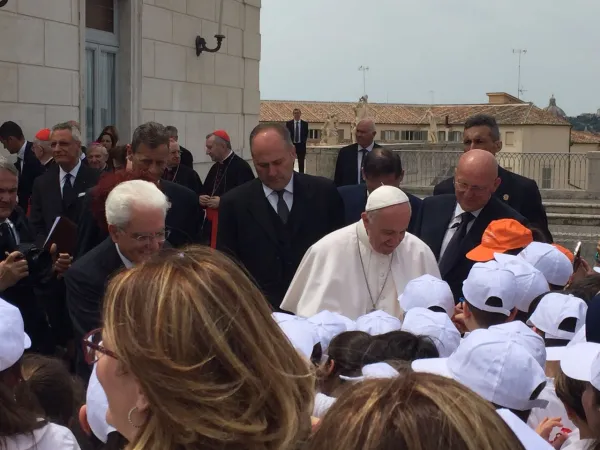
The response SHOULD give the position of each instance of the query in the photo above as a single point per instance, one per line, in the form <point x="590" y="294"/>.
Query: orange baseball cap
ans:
<point x="499" y="237"/>
<point x="565" y="251"/>
<point x="43" y="134"/>
<point x="222" y="134"/>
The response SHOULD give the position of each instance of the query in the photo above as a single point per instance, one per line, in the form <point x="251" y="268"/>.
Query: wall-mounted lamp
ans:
<point x="3" y="2"/>
<point x="201" y="42"/>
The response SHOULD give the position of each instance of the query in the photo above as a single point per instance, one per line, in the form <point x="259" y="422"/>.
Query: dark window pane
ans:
<point x="100" y="15"/>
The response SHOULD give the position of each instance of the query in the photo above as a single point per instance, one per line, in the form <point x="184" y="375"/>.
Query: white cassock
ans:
<point x="331" y="277"/>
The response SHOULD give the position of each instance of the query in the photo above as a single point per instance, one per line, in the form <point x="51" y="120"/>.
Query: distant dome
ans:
<point x="555" y="110"/>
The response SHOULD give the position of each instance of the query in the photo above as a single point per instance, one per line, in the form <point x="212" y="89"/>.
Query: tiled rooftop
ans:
<point x="399" y="114"/>
<point x="585" y="137"/>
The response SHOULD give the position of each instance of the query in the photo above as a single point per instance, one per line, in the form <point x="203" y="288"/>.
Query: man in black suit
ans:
<point x="187" y="159"/>
<point x="97" y="157"/>
<point x="298" y="129"/>
<point x="268" y="224"/>
<point x="453" y="224"/>
<point x="350" y="158"/>
<point x="60" y="191"/>
<point x="16" y="287"/>
<point x="29" y="167"/>
<point x="382" y="167"/>
<point x="179" y="173"/>
<point x="135" y="212"/>
<point x="518" y="192"/>
<point x="148" y="153"/>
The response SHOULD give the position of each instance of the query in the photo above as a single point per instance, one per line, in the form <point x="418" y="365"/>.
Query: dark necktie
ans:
<point x="19" y="165"/>
<point x="282" y="208"/>
<point x="364" y="152"/>
<point x="454" y="245"/>
<point x="69" y="196"/>
<point x="7" y="236"/>
<point x="297" y="134"/>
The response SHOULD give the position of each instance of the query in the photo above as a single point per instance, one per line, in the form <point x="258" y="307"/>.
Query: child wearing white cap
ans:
<point x="435" y="325"/>
<point x="500" y="370"/>
<point x="428" y="292"/>
<point x="555" y="265"/>
<point x="489" y="296"/>
<point x="26" y="430"/>
<point x="378" y="322"/>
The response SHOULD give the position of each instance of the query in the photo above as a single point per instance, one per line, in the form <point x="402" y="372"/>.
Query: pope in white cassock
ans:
<point x="365" y="266"/>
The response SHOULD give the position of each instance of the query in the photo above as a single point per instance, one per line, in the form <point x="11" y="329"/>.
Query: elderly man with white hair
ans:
<point x="348" y="167"/>
<point x="364" y="266"/>
<point x="97" y="157"/>
<point x="135" y="213"/>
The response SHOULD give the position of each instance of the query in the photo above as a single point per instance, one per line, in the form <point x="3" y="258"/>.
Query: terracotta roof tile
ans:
<point x="399" y="114"/>
<point x="584" y="137"/>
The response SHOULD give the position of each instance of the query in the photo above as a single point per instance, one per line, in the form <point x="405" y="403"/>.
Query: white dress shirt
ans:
<point x="128" y="264"/>
<point x="14" y="231"/>
<point x="368" y="149"/>
<point x="452" y="227"/>
<point x="49" y="437"/>
<point x="288" y="195"/>
<point x="63" y="174"/>
<point x="297" y="123"/>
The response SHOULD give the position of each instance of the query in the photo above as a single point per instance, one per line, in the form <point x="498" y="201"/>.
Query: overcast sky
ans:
<point x="460" y="49"/>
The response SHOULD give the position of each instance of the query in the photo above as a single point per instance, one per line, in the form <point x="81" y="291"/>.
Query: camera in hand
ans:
<point x="39" y="260"/>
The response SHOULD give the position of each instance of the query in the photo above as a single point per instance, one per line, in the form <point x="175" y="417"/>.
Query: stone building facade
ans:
<point x="125" y="62"/>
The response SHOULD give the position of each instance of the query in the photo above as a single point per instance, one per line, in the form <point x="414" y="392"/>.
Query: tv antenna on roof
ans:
<point x="520" y="52"/>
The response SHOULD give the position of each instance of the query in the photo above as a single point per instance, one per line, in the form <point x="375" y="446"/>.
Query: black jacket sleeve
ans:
<point x="227" y="230"/>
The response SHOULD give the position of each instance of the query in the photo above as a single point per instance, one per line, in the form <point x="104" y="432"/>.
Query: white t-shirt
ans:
<point x="49" y="437"/>
<point x="555" y="408"/>
<point x="322" y="405"/>
<point x="575" y="443"/>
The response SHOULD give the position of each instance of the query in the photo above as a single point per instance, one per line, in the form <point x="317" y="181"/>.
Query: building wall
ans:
<point x="201" y="94"/>
<point x="39" y="63"/>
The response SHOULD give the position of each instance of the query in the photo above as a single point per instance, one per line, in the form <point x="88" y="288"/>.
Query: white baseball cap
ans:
<point x="582" y="362"/>
<point x="427" y="291"/>
<point x="378" y="322"/>
<point x="280" y="317"/>
<point x="328" y="325"/>
<point x="435" y="325"/>
<point x="530" y="281"/>
<point x="521" y="334"/>
<point x="374" y="371"/>
<point x="499" y="370"/>
<point x="13" y="339"/>
<point x="96" y="407"/>
<point x="302" y="335"/>
<point x="557" y="353"/>
<point x="488" y="280"/>
<point x="553" y="309"/>
<point x="549" y="260"/>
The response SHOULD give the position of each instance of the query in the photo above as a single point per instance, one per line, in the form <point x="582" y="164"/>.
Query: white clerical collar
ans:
<point x="458" y="211"/>
<point x="289" y="188"/>
<point x="369" y="148"/>
<point x="73" y="171"/>
<point x="227" y="157"/>
<point x="21" y="153"/>
<point x="128" y="264"/>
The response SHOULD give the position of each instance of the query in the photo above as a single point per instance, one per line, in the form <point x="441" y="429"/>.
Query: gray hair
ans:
<point x="172" y="131"/>
<point x="44" y="144"/>
<point x="219" y="140"/>
<point x="152" y="134"/>
<point x="5" y="164"/>
<point x="370" y="122"/>
<point x="133" y="193"/>
<point x="98" y="145"/>
<point x="75" y="131"/>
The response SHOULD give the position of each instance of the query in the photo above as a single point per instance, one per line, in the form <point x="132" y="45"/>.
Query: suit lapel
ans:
<point x="55" y="200"/>
<point x="473" y="237"/>
<point x="258" y="205"/>
<point x="354" y="164"/>
<point x="303" y="196"/>
<point x="446" y="211"/>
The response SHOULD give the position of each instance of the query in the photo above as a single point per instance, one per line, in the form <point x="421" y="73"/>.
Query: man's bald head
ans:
<point x="365" y="132"/>
<point x="476" y="179"/>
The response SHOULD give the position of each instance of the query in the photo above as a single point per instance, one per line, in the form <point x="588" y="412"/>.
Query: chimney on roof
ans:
<point x="502" y="98"/>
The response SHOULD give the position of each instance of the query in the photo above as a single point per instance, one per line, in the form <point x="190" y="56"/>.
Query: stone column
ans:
<point x="593" y="169"/>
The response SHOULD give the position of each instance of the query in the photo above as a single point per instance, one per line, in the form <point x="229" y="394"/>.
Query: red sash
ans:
<point x="213" y="216"/>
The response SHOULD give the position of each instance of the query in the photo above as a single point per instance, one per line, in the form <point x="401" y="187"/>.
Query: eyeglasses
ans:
<point x="464" y="187"/>
<point x="147" y="238"/>
<point x="93" y="348"/>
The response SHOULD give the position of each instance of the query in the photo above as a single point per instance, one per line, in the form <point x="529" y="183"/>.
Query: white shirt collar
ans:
<point x="369" y="148"/>
<point x="128" y="264"/>
<point x="289" y="188"/>
<point x="73" y="172"/>
<point x="21" y="153"/>
<point x="458" y="211"/>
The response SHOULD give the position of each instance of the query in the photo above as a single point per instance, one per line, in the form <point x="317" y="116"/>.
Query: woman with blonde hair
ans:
<point x="412" y="412"/>
<point x="190" y="358"/>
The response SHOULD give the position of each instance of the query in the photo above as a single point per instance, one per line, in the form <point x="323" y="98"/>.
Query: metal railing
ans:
<point x="549" y="170"/>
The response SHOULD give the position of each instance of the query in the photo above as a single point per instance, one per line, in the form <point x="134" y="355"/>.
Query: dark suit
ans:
<point x="300" y="146"/>
<point x="187" y="159"/>
<point x="29" y="170"/>
<point x="520" y="193"/>
<point x="436" y="214"/>
<point x="346" y="166"/>
<point x="251" y="231"/>
<point x="183" y="221"/>
<point x="48" y="164"/>
<point x="184" y="176"/>
<point x="86" y="282"/>
<point x="46" y="199"/>
<point x="355" y="202"/>
<point x="23" y="294"/>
